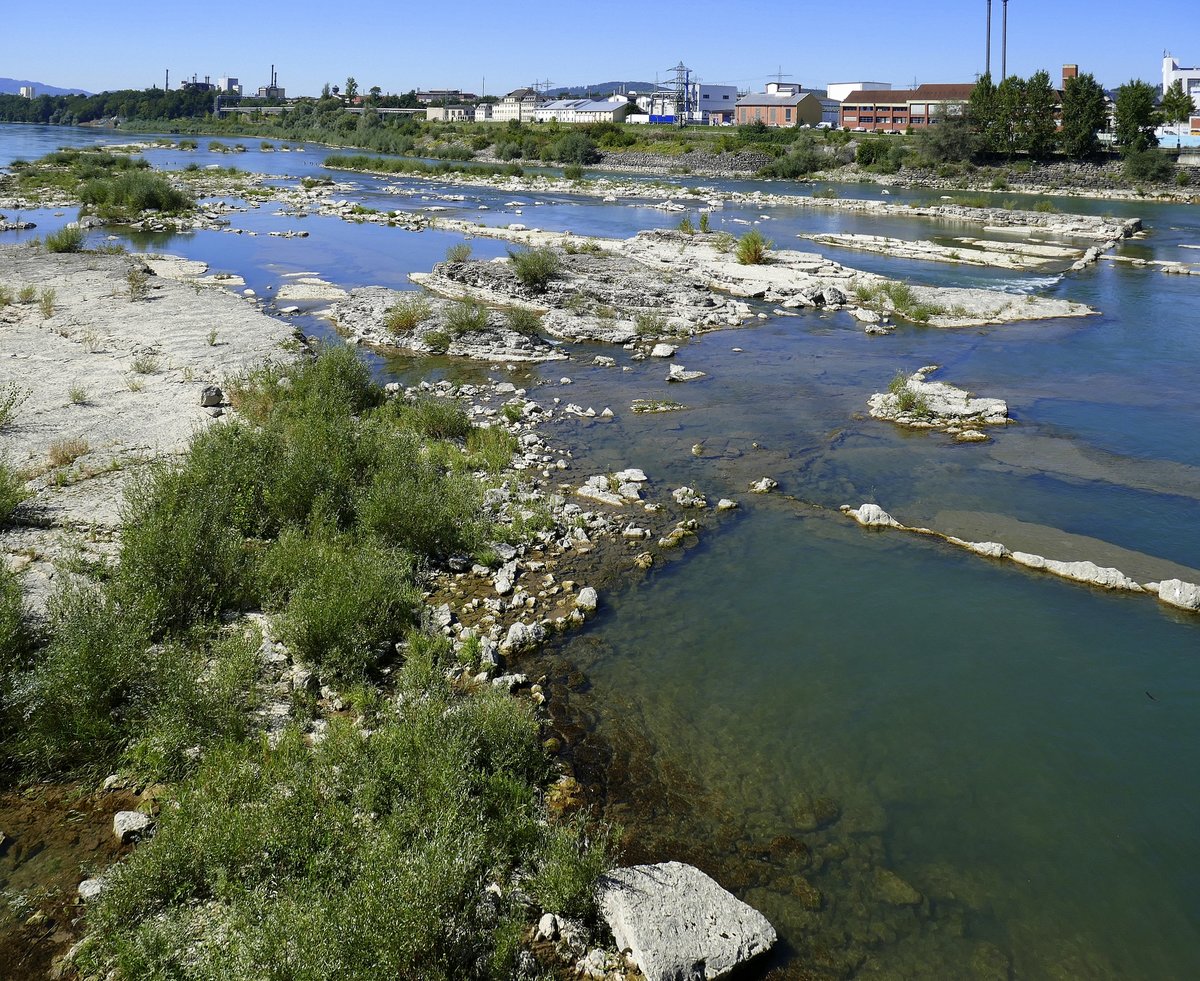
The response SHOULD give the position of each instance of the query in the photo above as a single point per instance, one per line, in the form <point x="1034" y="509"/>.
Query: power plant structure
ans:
<point x="1003" y="41"/>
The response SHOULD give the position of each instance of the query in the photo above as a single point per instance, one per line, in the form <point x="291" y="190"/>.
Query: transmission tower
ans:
<point x="683" y="93"/>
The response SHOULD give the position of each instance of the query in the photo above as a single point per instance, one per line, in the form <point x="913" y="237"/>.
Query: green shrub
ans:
<point x="491" y="447"/>
<point x="466" y="317"/>
<point x="344" y="600"/>
<point x="407" y="313"/>
<point x="458" y="253"/>
<point x="704" y="222"/>
<point x="907" y="400"/>
<point x="79" y="694"/>
<point x="1148" y="165"/>
<point x="193" y="696"/>
<point x="647" y="324"/>
<point x="411" y="503"/>
<point x="12" y="492"/>
<point x="523" y="321"/>
<point x="575" y="148"/>
<point x="125" y="196"/>
<point x="535" y="267"/>
<point x="438" y="341"/>
<point x="355" y="858"/>
<point x="1046" y="207"/>
<point x="12" y="397"/>
<point x="69" y="238"/>
<point x="435" y="418"/>
<point x="828" y="193"/>
<point x="686" y="226"/>
<point x="723" y="242"/>
<point x="573" y="172"/>
<point x="568" y="865"/>
<point x="753" y="248"/>
<point x="182" y="557"/>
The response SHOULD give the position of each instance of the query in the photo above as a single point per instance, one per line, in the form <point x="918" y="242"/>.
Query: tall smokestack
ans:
<point x="988" y="63"/>
<point x="1004" y="45"/>
<point x="167" y="81"/>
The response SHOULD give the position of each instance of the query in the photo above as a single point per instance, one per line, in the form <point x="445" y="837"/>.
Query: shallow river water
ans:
<point x="917" y="762"/>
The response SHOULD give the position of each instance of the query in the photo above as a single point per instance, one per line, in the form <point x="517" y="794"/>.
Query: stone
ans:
<point x="132" y="825"/>
<point x="1176" y="592"/>
<point x="522" y="635"/>
<point x="547" y="928"/>
<point x="763" y="485"/>
<point x="91" y="889"/>
<point x="893" y="890"/>
<point x="678" y="373"/>
<point x="687" y="497"/>
<point x="679" y="924"/>
<point x="211" y="395"/>
<point x="631" y="476"/>
<point x="871" y="516"/>
<point x="725" y="504"/>
<point x="1085" y="572"/>
<point x="663" y="351"/>
<point x="587" y="600"/>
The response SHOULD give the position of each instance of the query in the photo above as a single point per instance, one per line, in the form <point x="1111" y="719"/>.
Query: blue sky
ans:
<point x="399" y="46"/>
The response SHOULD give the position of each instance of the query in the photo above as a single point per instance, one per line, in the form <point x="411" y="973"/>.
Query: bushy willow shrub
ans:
<point x="355" y="858"/>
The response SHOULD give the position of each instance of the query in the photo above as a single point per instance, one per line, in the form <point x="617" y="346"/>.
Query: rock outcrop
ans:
<point x="920" y="404"/>
<point x="364" y="317"/>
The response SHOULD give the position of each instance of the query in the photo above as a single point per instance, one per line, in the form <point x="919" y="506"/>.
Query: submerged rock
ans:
<point x="679" y="924"/>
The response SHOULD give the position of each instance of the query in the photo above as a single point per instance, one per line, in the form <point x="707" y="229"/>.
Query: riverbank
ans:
<point x="143" y="383"/>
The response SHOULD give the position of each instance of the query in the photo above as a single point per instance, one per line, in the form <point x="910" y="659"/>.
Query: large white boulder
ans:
<point x="1176" y="592"/>
<point x="679" y="924"/>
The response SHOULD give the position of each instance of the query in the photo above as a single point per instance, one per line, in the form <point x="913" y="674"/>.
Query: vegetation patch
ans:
<point x="535" y="267"/>
<point x="754" y="249"/>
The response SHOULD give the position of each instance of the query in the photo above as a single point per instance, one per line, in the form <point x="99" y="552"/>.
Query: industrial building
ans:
<point x="783" y="104"/>
<point x="895" y="110"/>
<point x="1190" y="77"/>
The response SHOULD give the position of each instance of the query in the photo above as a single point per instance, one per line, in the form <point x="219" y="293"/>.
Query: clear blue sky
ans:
<point x="399" y="46"/>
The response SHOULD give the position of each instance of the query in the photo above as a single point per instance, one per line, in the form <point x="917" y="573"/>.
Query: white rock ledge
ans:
<point x="1172" y="592"/>
<point x="679" y="924"/>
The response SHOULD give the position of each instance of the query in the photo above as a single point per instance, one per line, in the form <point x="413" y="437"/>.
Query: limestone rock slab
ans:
<point x="679" y="924"/>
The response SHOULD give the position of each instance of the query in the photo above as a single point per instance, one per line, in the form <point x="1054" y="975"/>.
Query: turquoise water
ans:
<point x="1021" y="751"/>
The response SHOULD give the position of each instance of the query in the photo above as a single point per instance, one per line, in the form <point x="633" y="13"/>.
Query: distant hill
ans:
<point x="12" y="86"/>
<point x="603" y="88"/>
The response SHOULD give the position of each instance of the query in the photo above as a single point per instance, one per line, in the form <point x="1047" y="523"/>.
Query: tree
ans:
<point x="1038" y="125"/>
<point x="1176" y="105"/>
<point x="1136" y="116"/>
<point x="351" y="87"/>
<point x="1083" y="116"/>
<point x="325" y="91"/>
<point x="949" y="138"/>
<point x="981" y="110"/>
<point x="1011" y="112"/>
<point x="376" y="92"/>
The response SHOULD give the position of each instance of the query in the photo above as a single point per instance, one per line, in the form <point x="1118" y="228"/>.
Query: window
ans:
<point x="789" y="115"/>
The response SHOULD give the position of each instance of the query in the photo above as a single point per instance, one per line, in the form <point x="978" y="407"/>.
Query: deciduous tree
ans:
<point x="1083" y="116"/>
<point x="1136" y="116"/>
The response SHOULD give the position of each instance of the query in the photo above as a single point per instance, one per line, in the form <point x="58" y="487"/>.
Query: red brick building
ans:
<point x="783" y="104"/>
<point x="895" y="110"/>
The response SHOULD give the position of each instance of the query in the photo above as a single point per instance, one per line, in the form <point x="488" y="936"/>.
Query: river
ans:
<point x="919" y="763"/>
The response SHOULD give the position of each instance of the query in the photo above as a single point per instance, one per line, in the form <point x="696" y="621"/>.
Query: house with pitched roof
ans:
<point x="781" y="105"/>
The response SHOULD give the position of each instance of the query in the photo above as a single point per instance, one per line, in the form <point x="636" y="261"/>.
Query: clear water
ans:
<point x="1023" y="752"/>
